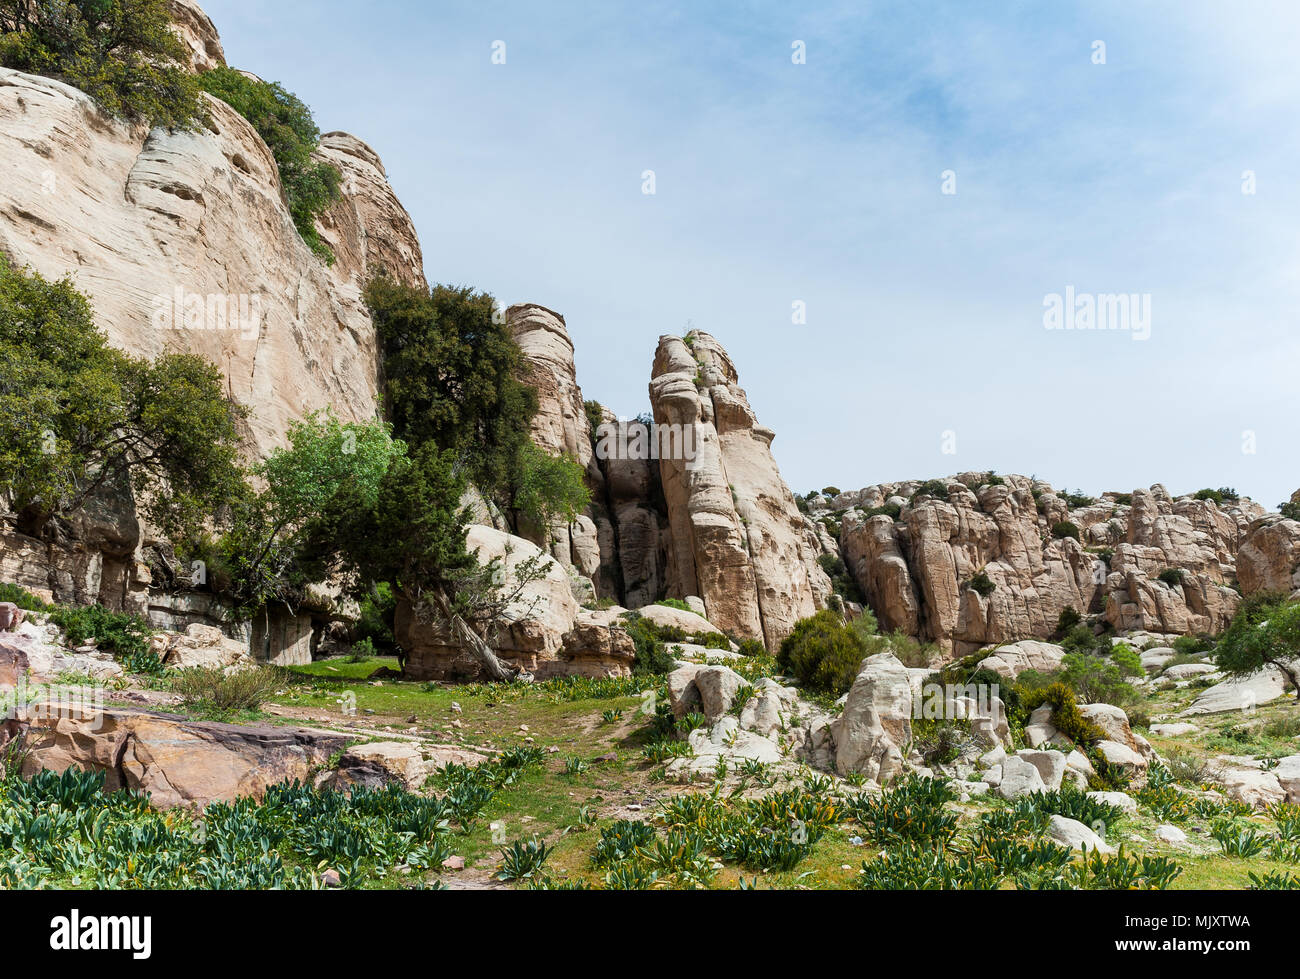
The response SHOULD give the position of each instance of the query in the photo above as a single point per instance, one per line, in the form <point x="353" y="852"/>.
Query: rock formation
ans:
<point x="737" y="538"/>
<point x="919" y="569"/>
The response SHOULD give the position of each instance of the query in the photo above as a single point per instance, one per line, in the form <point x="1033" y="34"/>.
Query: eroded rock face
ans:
<point x="199" y="34"/>
<point x="917" y="569"/>
<point x="737" y="539"/>
<point x="184" y="242"/>
<point x="177" y="761"/>
<point x="1269" y="559"/>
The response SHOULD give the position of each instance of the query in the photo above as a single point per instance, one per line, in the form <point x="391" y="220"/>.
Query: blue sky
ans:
<point x="821" y="183"/>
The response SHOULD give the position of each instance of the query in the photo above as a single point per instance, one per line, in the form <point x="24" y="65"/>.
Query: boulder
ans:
<point x="1075" y="835"/>
<point x="718" y="687"/>
<point x="1287" y="774"/>
<point x="1170" y="834"/>
<point x="409" y="762"/>
<point x="1243" y="694"/>
<point x="11" y="617"/>
<point x="1251" y="786"/>
<point x="206" y="646"/>
<point x="1050" y="765"/>
<point x="177" y="761"/>
<point x="875" y="726"/>
<point x="1019" y="778"/>
<point x="1122" y="800"/>
<point x="1010" y="661"/>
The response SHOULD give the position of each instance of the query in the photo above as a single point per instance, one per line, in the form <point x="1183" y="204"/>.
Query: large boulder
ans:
<point x="875" y="728"/>
<point x="1019" y="778"/>
<point x="177" y="761"/>
<point x="206" y="646"/>
<point x="1075" y="835"/>
<point x="1010" y="661"/>
<point x="1240" y="694"/>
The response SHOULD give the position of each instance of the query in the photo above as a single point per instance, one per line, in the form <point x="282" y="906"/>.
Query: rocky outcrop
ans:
<point x="177" y="761"/>
<point x="873" y="733"/>
<point x="917" y="554"/>
<point x="196" y="29"/>
<point x="1269" y="559"/>
<point x="183" y="242"/>
<point x="737" y="538"/>
<point x="561" y="428"/>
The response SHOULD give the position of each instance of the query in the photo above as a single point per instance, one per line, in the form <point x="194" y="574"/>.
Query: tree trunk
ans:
<point x="469" y="639"/>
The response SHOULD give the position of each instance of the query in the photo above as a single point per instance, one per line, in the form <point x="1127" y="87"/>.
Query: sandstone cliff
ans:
<point x="737" y="539"/>
<point x="919" y="569"/>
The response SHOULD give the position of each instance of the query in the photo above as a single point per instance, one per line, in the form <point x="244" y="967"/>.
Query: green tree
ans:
<point x="1265" y="632"/>
<point x="551" y="489"/>
<point x="273" y="546"/>
<point x="78" y="418"/>
<point x="287" y="127"/>
<point x="413" y="535"/>
<point x="122" y="53"/>
<point x="453" y="379"/>
<point x="823" y="653"/>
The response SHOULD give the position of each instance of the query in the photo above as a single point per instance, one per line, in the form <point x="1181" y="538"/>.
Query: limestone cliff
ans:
<point x="919" y="561"/>
<point x="737" y="538"/>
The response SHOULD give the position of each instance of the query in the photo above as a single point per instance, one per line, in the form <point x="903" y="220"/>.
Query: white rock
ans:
<point x="1019" y="778"/>
<point x="1170" y="834"/>
<point x="1075" y="835"/>
<point x="1120" y="799"/>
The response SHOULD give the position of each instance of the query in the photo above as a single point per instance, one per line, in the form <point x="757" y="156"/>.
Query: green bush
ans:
<point x="117" y="632"/>
<point x="1065" y="529"/>
<point x="122" y="53"/>
<point x="213" y="687"/>
<point x="823" y="653"/>
<point x="1193" y="645"/>
<point x="1068" y="619"/>
<point x="1172" y="577"/>
<point x="982" y="584"/>
<point x="1066" y="716"/>
<point x="14" y="595"/>
<point x="843" y="583"/>
<point x="286" y="124"/>
<point x="936" y="488"/>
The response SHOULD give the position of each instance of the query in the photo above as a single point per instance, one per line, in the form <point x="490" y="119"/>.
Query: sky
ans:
<point x="1162" y="163"/>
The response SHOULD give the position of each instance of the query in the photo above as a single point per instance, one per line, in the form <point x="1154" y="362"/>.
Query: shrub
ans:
<point x="551" y="489"/>
<point x="21" y="597"/>
<point x="122" y="53"/>
<point x="823" y="653"/>
<point x="752" y="648"/>
<point x="831" y="491"/>
<point x="1096" y="681"/>
<point x="1193" y="645"/>
<point x="936" y="488"/>
<point x="1067" y="620"/>
<point x="1173" y="577"/>
<point x="982" y="584"/>
<point x="1066" y="717"/>
<point x="116" y="632"/>
<point x="843" y="583"/>
<point x="676" y="603"/>
<point x="1065" y="529"/>
<point x="286" y="124"/>
<point x="213" y="687"/>
<point x="891" y="510"/>
<point x="1290" y="510"/>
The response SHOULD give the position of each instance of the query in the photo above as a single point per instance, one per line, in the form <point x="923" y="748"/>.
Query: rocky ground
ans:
<point x="1207" y="761"/>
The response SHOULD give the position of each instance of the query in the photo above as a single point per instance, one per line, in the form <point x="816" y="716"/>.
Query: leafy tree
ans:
<point x="452" y="379"/>
<point x="551" y="489"/>
<point x="287" y="127"/>
<point x="272" y="547"/>
<point x="122" y="53"/>
<point x="1265" y="632"/>
<point x="413" y="535"/>
<point x="78" y="418"/>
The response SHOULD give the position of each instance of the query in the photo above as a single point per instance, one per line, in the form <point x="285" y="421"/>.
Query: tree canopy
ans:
<point x="122" y="53"/>
<point x="78" y="417"/>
